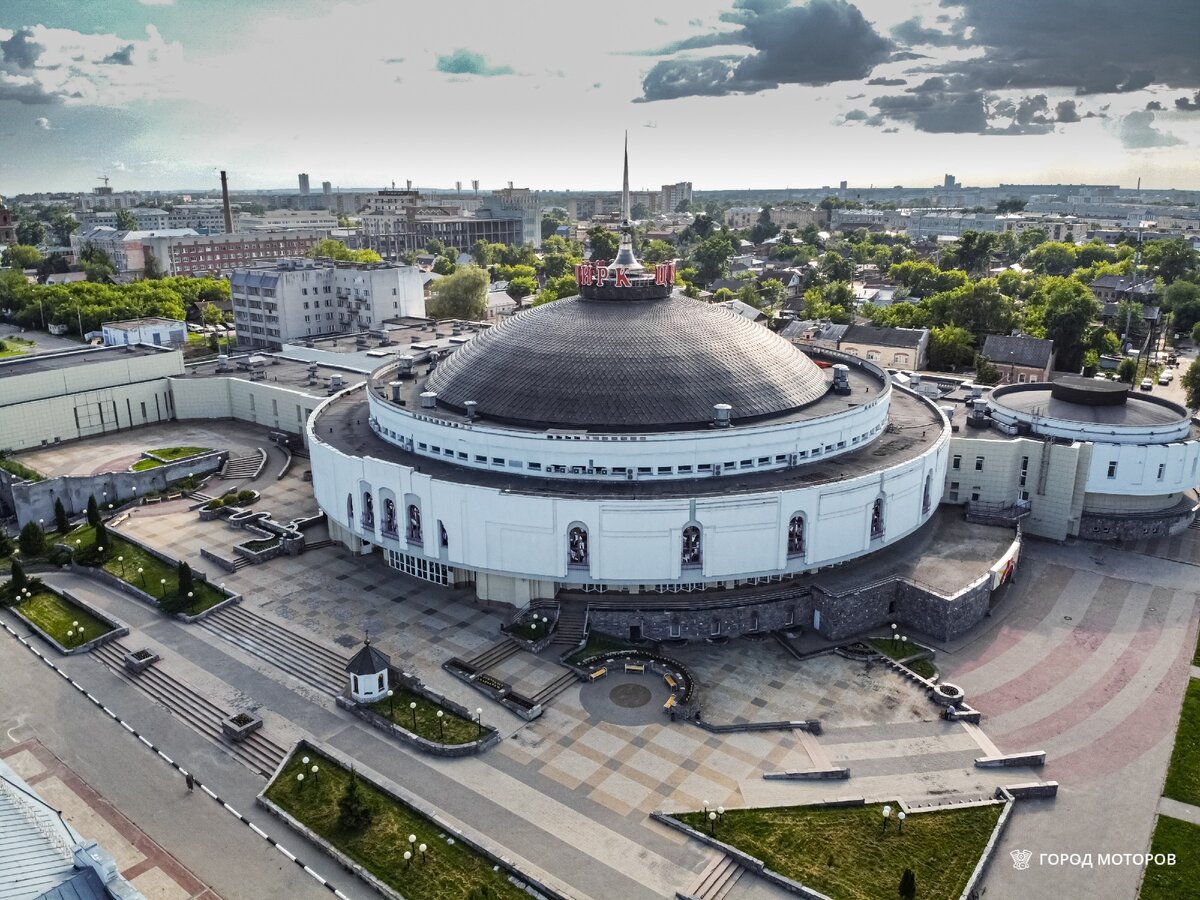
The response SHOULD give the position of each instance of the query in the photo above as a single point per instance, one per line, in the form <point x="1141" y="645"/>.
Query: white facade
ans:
<point x="295" y="299"/>
<point x="286" y="219"/>
<point x="156" y="331"/>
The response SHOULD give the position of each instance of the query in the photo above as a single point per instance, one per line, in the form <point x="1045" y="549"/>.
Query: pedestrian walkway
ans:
<point x="1177" y="810"/>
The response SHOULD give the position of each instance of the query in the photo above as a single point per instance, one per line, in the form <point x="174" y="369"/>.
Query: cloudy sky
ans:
<point x="724" y="93"/>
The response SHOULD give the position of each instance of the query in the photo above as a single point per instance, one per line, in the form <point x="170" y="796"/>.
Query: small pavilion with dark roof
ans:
<point x="368" y="670"/>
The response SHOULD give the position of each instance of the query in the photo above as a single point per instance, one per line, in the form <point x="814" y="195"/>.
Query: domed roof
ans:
<point x="627" y="365"/>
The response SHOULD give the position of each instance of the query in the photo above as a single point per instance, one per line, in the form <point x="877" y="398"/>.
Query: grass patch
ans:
<point x="143" y="464"/>
<point x="10" y="347"/>
<point x="531" y="629"/>
<point x="20" y="470"/>
<point x="153" y="569"/>
<point x="898" y="650"/>
<point x="1180" y="880"/>
<point x="450" y="871"/>
<point x="169" y="454"/>
<point x="1183" y="775"/>
<point x="457" y="730"/>
<point x="56" y="615"/>
<point x="844" y="854"/>
<point x="1196" y="655"/>
<point x="262" y="544"/>
<point x="599" y="643"/>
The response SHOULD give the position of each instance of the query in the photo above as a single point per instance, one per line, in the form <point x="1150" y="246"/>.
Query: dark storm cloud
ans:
<point x="1065" y="111"/>
<point x="1092" y="46"/>
<point x="888" y="82"/>
<point x="1188" y="105"/>
<point x="913" y="33"/>
<point x="122" y="57"/>
<point x="946" y="106"/>
<point x="20" y="50"/>
<point x="856" y="115"/>
<point x="464" y="62"/>
<point x="29" y="94"/>
<point x="1154" y="105"/>
<point x="816" y="44"/>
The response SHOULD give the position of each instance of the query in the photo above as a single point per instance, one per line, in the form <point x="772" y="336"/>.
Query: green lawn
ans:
<point x="844" y="853"/>
<point x="56" y="615"/>
<point x="263" y="544"/>
<point x="1180" y="880"/>
<point x="1183" y="775"/>
<point x="449" y="872"/>
<point x="897" y="650"/>
<point x="1196" y="655"/>
<point x="173" y="453"/>
<point x="143" y="464"/>
<point x="20" y="470"/>
<point x="598" y="643"/>
<point x="10" y="347"/>
<point x="455" y="728"/>
<point x="154" y="570"/>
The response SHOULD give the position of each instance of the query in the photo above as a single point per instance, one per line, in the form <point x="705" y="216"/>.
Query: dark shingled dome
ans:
<point x="627" y="365"/>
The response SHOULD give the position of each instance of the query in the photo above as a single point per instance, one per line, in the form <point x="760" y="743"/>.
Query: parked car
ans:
<point x="1147" y="385"/>
<point x="1164" y="378"/>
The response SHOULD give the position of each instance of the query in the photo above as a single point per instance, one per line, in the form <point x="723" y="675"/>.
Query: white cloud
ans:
<point x="42" y="122"/>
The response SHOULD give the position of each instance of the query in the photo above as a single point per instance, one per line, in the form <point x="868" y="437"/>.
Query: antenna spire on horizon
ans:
<point x="625" y="214"/>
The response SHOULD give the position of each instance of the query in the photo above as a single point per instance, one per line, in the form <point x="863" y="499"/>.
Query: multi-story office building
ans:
<point x="147" y="218"/>
<point x="205" y="218"/>
<point x="287" y="220"/>
<point x="181" y="251"/>
<point x="516" y="202"/>
<point x="294" y="300"/>
<point x="674" y="194"/>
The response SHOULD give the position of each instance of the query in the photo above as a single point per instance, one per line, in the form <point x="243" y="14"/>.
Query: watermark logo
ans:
<point x="1021" y="859"/>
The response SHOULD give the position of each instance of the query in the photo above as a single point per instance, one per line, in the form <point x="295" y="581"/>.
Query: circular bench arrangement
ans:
<point x="628" y="694"/>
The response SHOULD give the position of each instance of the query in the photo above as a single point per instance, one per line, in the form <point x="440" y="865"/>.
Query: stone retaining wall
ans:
<point x="33" y="500"/>
<point x="1102" y="527"/>
<point x="490" y="739"/>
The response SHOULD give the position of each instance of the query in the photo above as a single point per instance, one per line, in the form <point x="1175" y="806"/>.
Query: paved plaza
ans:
<point x="1084" y="657"/>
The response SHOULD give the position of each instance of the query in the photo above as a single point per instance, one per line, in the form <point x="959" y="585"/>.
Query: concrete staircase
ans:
<point x="569" y="632"/>
<point x="718" y="879"/>
<point x="556" y="687"/>
<point x="242" y="466"/>
<point x="494" y="654"/>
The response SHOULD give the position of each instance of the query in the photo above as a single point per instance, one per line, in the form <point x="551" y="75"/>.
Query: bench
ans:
<point x="599" y="673"/>
<point x="670" y="680"/>
<point x="670" y="702"/>
<point x="640" y="668"/>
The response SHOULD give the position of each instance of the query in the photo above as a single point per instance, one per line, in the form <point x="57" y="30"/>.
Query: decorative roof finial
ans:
<point x="367" y="637"/>
<point x="625" y="214"/>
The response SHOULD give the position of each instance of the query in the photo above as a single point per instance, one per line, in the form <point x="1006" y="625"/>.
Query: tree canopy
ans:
<point x="331" y="249"/>
<point x="461" y="295"/>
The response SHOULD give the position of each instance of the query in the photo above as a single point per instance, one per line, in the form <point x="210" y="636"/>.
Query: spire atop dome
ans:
<point x="625" y="215"/>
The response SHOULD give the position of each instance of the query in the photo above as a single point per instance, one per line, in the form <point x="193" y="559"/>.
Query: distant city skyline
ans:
<point x="727" y="94"/>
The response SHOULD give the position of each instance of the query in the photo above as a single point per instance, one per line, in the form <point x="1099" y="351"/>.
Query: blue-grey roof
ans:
<point x="1018" y="350"/>
<point x="84" y="885"/>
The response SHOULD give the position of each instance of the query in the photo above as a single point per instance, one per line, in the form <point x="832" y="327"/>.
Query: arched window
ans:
<point x="928" y="489"/>
<point x="691" y="551"/>
<point x="414" y="524"/>
<point x="445" y="538"/>
<point x="368" y="510"/>
<point x="350" y="508"/>
<point x="796" y="536"/>
<point x="877" y="519"/>
<point x="577" y="547"/>
<point x="389" y="516"/>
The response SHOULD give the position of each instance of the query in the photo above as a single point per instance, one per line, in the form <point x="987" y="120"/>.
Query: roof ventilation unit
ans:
<point x="223" y="362"/>
<point x="472" y="410"/>
<point x="429" y="399"/>
<point x="395" y="386"/>
<point x="335" y="382"/>
<point x="721" y="414"/>
<point x="841" y="378"/>
<point x="405" y="369"/>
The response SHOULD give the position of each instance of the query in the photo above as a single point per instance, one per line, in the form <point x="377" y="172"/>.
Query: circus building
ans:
<point x="627" y="441"/>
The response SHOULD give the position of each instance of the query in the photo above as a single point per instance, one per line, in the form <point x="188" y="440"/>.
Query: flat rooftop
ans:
<point x="913" y="428"/>
<point x="1137" y="410"/>
<point x="275" y="369"/>
<point x="84" y="356"/>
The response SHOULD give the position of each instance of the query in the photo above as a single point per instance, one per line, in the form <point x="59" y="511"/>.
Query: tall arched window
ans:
<point x="690" y="550"/>
<point x="389" y="516"/>
<point x="877" y="519"/>
<point x="928" y="491"/>
<point x="445" y="538"/>
<point x="350" y="508"/>
<point x="796" y="536"/>
<point x="577" y="547"/>
<point x="414" y="524"/>
<point x="368" y="510"/>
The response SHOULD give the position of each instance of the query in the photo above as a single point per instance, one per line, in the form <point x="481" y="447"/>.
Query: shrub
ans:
<point x="32" y="539"/>
<point x="245" y="496"/>
<point x="908" y="885"/>
<point x="61" y="522"/>
<point x="214" y="503"/>
<point x="353" y="812"/>
<point x="93" y="511"/>
<point x="185" y="578"/>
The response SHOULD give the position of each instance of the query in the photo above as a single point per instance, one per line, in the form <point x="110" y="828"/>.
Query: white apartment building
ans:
<point x="154" y="330"/>
<point x="294" y="300"/>
<point x="205" y="218"/>
<point x="147" y="218"/>
<point x="286" y="220"/>
<point x="674" y="194"/>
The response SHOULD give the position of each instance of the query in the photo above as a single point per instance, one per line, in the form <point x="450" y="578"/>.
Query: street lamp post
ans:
<point x="900" y="816"/>
<point x="887" y="813"/>
<point x="391" y="704"/>
<point x="142" y="577"/>
<point x="422" y="848"/>
<point x="441" y="726"/>
<point x="712" y="822"/>
<point x="121" y="560"/>
<point x="479" y="719"/>
<point x="412" y="707"/>
<point x="163" y="583"/>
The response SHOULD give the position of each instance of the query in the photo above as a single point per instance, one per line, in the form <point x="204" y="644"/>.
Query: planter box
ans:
<point x="240" y="726"/>
<point x="140" y="660"/>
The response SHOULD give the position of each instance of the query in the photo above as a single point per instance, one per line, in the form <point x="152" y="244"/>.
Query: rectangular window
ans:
<point x="979" y="464"/>
<point x="1162" y="470"/>
<point x="975" y="493"/>
<point x="764" y="460"/>
<point x="644" y="470"/>
<point x="664" y="470"/>
<point x="781" y="458"/>
<point x="535" y="467"/>
<point x="956" y="463"/>
<point x="480" y="459"/>
<point x="747" y="463"/>
<point x="685" y="470"/>
<point x="1112" y="468"/>
<point x="497" y="461"/>
<point x="704" y="467"/>
<point x="730" y="465"/>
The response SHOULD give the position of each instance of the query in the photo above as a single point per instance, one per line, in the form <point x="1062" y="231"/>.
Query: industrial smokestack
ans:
<point x="225" y="203"/>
